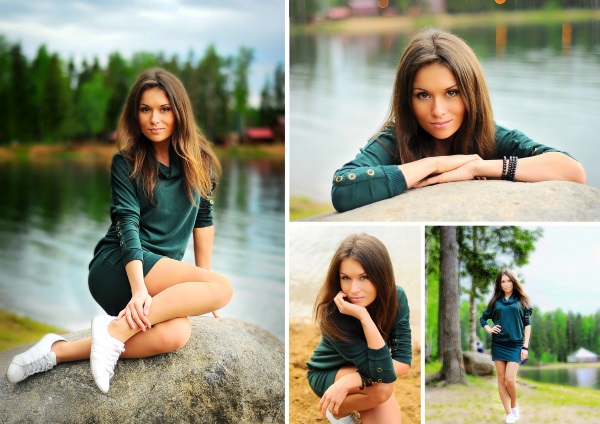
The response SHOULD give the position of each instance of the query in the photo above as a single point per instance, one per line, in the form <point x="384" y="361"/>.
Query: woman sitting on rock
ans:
<point x="509" y="310"/>
<point x="440" y="129"/>
<point x="366" y="344"/>
<point x="162" y="180"/>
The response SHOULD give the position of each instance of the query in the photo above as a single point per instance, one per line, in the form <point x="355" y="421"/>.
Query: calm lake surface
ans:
<point x="53" y="214"/>
<point x="583" y="376"/>
<point x="543" y="79"/>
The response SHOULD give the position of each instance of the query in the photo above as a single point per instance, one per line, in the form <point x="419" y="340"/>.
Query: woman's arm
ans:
<point x="525" y="352"/>
<point x="137" y="310"/>
<point x="203" y="244"/>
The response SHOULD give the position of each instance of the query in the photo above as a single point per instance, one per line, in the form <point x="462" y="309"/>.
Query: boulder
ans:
<point x="478" y="363"/>
<point x="230" y="371"/>
<point x="482" y="201"/>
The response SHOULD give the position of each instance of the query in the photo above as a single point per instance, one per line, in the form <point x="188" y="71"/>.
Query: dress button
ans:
<point x="351" y="176"/>
<point x="378" y="369"/>
<point x="339" y="179"/>
<point x="211" y="202"/>
<point x="370" y="172"/>
<point x="379" y="381"/>
<point x="121" y="243"/>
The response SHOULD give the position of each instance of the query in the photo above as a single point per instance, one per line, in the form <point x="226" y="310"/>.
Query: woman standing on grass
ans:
<point x="162" y="180"/>
<point x="510" y="312"/>
<point x="440" y="129"/>
<point x="366" y="344"/>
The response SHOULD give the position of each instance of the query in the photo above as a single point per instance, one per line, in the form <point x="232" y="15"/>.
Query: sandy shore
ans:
<point x="303" y="402"/>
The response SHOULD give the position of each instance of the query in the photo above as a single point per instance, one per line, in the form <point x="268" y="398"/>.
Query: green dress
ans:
<point x="512" y="318"/>
<point x="331" y="355"/>
<point x="374" y="175"/>
<point x="142" y="231"/>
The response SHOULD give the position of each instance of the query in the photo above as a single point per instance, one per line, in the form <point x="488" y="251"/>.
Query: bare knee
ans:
<point x="382" y="392"/>
<point x="225" y="291"/>
<point x="510" y="381"/>
<point x="175" y="335"/>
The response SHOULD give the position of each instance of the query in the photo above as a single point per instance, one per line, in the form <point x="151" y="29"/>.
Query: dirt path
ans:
<point x="539" y="403"/>
<point x="303" y="402"/>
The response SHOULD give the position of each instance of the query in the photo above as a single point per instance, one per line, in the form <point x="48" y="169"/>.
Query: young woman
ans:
<point x="440" y="129"/>
<point x="162" y="180"/>
<point x="366" y="344"/>
<point x="509" y="311"/>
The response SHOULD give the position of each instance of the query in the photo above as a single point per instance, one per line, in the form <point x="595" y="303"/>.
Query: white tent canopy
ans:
<point x="582" y="355"/>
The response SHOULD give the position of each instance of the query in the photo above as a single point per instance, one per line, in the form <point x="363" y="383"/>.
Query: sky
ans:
<point x="564" y="270"/>
<point x="87" y="29"/>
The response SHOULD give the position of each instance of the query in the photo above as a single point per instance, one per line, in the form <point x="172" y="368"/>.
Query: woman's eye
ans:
<point x="344" y="277"/>
<point x="144" y="109"/>
<point x="452" y="93"/>
<point x="364" y="277"/>
<point x="166" y="109"/>
<point x="422" y="95"/>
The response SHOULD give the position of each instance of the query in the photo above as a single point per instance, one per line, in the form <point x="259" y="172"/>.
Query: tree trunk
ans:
<point x="453" y="370"/>
<point x="473" y="301"/>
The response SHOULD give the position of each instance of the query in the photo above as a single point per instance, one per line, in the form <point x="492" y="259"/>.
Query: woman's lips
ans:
<point x="441" y="125"/>
<point x="155" y="130"/>
<point x="355" y="299"/>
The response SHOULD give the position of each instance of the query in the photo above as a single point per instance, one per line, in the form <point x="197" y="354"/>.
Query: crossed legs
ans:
<point x="178" y="289"/>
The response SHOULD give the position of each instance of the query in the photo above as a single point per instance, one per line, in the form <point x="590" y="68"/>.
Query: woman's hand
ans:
<point x="137" y="310"/>
<point x="496" y="329"/>
<point x="446" y="164"/>
<point x="524" y="354"/>
<point x="348" y="308"/>
<point x="464" y="172"/>
<point x="333" y="398"/>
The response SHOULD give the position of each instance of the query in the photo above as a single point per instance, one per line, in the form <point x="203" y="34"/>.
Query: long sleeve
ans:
<point x="204" y="218"/>
<point x="125" y="210"/>
<point x="526" y="316"/>
<point x="515" y="143"/>
<point x="372" y="176"/>
<point x="484" y="318"/>
<point x="400" y="337"/>
<point x="374" y="363"/>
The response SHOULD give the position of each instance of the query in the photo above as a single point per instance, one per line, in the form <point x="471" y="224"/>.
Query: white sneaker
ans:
<point x="105" y="352"/>
<point x="36" y="359"/>
<point x="510" y="419"/>
<point x="343" y="420"/>
<point x="516" y="414"/>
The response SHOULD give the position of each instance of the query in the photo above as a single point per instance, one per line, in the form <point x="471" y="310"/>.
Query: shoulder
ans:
<point x="385" y="137"/>
<point x="401" y="296"/>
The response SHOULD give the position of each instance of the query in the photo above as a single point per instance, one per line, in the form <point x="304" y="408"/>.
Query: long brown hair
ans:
<point x="476" y="134"/>
<point x="518" y="291"/>
<point x="200" y="165"/>
<point x="375" y="260"/>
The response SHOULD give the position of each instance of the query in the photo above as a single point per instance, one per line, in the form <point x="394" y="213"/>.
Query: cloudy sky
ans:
<point x="94" y="28"/>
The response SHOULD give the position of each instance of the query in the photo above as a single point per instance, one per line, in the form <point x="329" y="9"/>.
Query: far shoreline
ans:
<point x="404" y="23"/>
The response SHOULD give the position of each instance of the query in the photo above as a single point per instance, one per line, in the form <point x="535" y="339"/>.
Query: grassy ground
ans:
<point x="540" y="403"/>
<point x="301" y="207"/>
<point x="16" y="331"/>
<point x="406" y="23"/>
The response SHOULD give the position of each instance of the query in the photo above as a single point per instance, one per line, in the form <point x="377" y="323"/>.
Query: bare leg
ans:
<point x="504" y="396"/>
<point x="179" y="289"/>
<point x="161" y="338"/>
<point x="362" y="400"/>
<point x="510" y="378"/>
<point x="387" y="412"/>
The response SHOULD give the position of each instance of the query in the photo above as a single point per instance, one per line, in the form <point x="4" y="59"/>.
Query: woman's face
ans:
<point x="155" y="115"/>
<point x="506" y="284"/>
<point x="355" y="283"/>
<point x="436" y="101"/>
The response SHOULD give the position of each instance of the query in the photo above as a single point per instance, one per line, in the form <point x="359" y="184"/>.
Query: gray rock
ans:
<point x="229" y="372"/>
<point x="482" y="201"/>
<point x="478" y="363"/>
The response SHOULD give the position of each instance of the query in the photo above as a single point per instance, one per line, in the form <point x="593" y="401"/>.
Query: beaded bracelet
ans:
<point x="366" y="381"/>
<point x="503" y="177"/>
<point x="512" y="168"/>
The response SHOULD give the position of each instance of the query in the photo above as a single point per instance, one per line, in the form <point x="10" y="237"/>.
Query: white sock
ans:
<point x="515" y="411"/>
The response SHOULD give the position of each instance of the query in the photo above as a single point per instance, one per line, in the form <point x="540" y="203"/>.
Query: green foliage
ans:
<point x="53" y="100"/>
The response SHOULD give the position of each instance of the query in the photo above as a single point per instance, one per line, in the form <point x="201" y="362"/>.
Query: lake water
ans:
<point x="584" y="376"/>
<point x="543" y="79"/>
<point x="53" y="214"/>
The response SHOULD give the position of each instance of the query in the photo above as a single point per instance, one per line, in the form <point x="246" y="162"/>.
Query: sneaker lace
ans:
<point x="108" y="356"/>
<point x="42" y="363"/>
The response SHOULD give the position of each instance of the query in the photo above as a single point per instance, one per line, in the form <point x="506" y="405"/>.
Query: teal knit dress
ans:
<point x="512" y="318"/>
